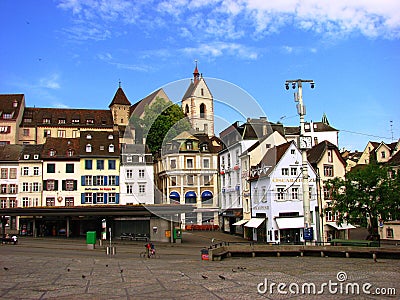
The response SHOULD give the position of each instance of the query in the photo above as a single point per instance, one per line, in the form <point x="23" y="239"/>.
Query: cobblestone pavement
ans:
<point x="66" y="269"/>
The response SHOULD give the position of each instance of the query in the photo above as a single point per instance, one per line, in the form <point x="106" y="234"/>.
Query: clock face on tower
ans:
<point x="305" y="142"/>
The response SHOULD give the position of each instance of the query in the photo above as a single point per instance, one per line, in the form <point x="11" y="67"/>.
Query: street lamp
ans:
<point x="304" y="143"/>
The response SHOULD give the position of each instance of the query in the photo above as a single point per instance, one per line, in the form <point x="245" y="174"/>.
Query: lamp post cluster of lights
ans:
<point x="304" y="143"/>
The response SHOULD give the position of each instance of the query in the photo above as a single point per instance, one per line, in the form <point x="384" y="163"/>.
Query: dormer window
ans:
<point x="110" y="137"/>
<point x="204" y="147"/>
<point x="189" y="146"/>
<point x="89" y="121"/>
<point x="101" y="148"/>
<point x="52" y="152"/>
<point x="70" y="152"/>
<point x="36" y="156"/>
<point x="129" y="158"/>
<point x="88" y="148"/>
<point x="46" y="121"/>
<point x="61" y="121"/>
<point x="111" y="148"/>
<point x="26" y="156"/>
<point x="75" y="121"/>
<point x="89" y="137"/>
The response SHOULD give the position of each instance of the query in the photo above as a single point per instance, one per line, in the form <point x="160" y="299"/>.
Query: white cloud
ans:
<point x="220" y="48"/>
<point x="50" y="82"/>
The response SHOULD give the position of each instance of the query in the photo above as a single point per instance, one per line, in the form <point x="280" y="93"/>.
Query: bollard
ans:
<point x="110" y="250"/>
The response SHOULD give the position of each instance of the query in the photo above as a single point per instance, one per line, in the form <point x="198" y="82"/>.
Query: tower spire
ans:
<point x="196" y="74"/>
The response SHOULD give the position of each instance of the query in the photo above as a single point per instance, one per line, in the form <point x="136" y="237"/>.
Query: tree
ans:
<point x="368" y="193"/>
<point x="162" y="121"/>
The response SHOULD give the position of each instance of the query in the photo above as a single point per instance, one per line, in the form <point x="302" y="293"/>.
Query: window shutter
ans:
<point x="83" y="180"/>
<point x="94" y="198"/>
<point x="56" y="185"/>
<point x="83" y="198"/>
<point x="75" y="185"/>
<point x="105" y="198"/>
<point x="94" y="180"/>
<point x="63" y="182"/>
<point x="105" y="180"/>
<point x="117" y="180"/>
<point x="44" y="185"/>
<point x="117" y="198"/>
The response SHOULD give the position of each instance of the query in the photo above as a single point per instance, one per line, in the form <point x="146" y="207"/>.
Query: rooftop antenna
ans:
<point x="119" y="82"/>
<point x="391" y="128"/>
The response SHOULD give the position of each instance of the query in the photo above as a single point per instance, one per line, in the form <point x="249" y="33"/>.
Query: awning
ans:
<point x="254" y="222"/>
<point x="241" y="222"/>
<point x="190" y="194"/>
<point x="342" y="226"/>
<point x="289" y="223"/>
<point x="174" y="195"/>
<point x="206" y="195"/>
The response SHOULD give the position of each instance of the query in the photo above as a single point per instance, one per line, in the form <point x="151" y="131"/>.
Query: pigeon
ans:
<point x="68" y="269"/>
<point x="204" y="276"/>
<point x="106" y="266"/>
<point x="222" y="277"/>
<point x="182" y="274"/>
<point x="83" y="276"/>
<point x="121" y="271"/>
<point x="233" y="270"/>
<point x="5" y="268"/>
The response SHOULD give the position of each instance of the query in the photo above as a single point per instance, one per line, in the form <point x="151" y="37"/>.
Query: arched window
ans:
<point x="88" y="148"/>
<point x="111" y="148"/>
<point x="202" y="110"/>
<point x="187" y="109"/>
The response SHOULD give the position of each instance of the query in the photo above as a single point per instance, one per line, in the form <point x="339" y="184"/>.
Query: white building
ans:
<point x="136" y="175"/>
<point x="277" y="196"/>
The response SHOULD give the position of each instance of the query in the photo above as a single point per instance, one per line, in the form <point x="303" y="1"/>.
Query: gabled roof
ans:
<point x="185" y="135"/>
<point x="395" y="159"/>
<point x="138" y="108"/>
<point x="10" y="104"/>
<point x="315" y="154"/>
<point x="120" y="98"/>
<point x="316" y="127"/>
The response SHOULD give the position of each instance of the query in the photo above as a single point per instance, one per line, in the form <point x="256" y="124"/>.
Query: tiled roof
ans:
<point x="59" y="148"/>
<point x="10" y="152"/>
<point x="190" y="89"/>
<point x="138" y="108"/>
<point x="10" y="104"/>
<point x="317" y="127"/>
<point x="100" y="143"/>
<point x="120" y="98"/>
<point x="72" y="117"/>
<point x="32" y="150"/>
<point x="395" y="159"/>
<point x="315" y="154"/>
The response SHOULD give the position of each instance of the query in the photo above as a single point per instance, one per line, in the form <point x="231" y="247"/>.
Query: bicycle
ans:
<point x="152" y="254"/>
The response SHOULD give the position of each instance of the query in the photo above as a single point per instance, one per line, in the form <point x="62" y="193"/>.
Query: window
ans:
<point x="4" y="173"/>
<point x="70" y="152"/>
<point x="47" y="133"/>
<point x="383" y="154"/>
<point x="99" y="180"/>
<point x="100" y="164"/>
<point x="46" y="121"/>
<point x="25" y="171"/>
<point x="202" y="110"/>
<point x="111" y="148"/>
<point x="69" y="168"/>
<point x="295" y="193"/>
<point x="328" y="171"/>
<point x="189" y="145"/>
<point x="36" y="171"/>
<point x="75" y="121"/>
<point x="50" y="185"/>
<point x="173" y="163"/>
<point x="280" y="193"/>
<point x="327" y="193"/>
<point x="51" y="168"/>
<point x="189" y="163"/>
<point x="70" y="185"/>
<point x="61" y="133"/>
<point x="13" y="173"/>
<point x="88" y="148"/>
<point x="61" y="121"/>
<point x="75" y="134"/>
<point x="88" y="180"/>
<point x="112" y="197"/>
<point x="142" y="188"/>
<point x="129" y="173"/>
<point x="141" y="173"/>
<point x="330" y="157"/>
<point x="25" y="187"/>
<point x="25" y="202"/>
<point x="293" y="171"/>
<point x="88" y="164"/>
<point x="229" y="160"/>
<point x="88" y="197"/>
<point x="173" y="180"/>
<point x="25" y="132"/>
<point x="69" y="201"/>
<point x="285" y="171"/>
<point x="129" y="188"/>
<point x="292" y="151"/>
<point x="112" y="180"/>
<point x="264" y="195"/>
<point x="52" y="152"/>
<point x="4" y="188"/>
<point x="100" y="198"/>
<point x="89" y="137"/>
<point x="206" y="163"/>
<point x="111" y="164"/>
<point x="36" y="187"/>
<point x="389" y="233"/>
<point x="189" y="179"/>
<point x="13" y="188"/>
<point x="89" y="121"/>
<point x="207" y="180"/>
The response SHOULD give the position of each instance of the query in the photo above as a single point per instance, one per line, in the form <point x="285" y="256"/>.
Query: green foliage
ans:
<point x="367" y="193"/>
<point x="162" y="121"/>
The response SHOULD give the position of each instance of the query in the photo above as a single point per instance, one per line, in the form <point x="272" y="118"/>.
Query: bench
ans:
<point x="141" y="237"/>
<point x="359" y="243"/>
<point x="126" y="236"/>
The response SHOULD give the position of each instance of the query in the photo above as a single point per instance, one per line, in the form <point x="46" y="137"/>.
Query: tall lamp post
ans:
<point x="304" y="143"/>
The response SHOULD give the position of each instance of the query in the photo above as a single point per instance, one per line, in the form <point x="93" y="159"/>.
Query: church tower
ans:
<point x="198" y="105"/>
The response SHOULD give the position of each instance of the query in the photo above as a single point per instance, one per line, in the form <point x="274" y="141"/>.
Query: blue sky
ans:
<point x="73" y="53"/>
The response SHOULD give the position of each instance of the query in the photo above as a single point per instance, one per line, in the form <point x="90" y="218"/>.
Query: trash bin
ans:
<point x="204" y="254"/>
<point x="90" y="239"/>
